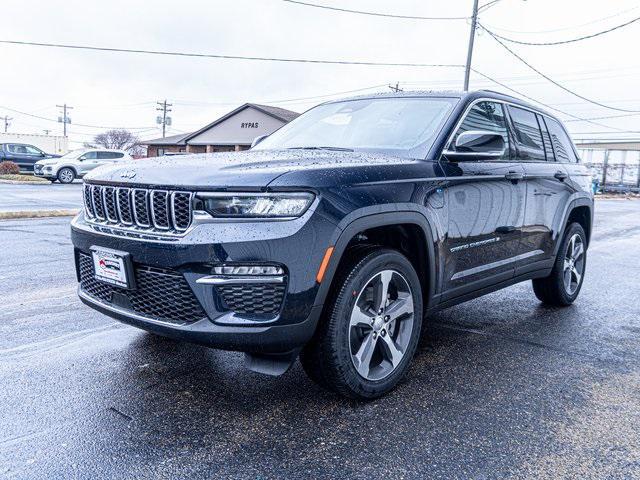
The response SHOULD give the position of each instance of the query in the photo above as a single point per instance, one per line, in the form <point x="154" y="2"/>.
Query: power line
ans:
<point x="78" y="124"/>
<point x="608" y="116"/>
<point x="543" y="75"/>
<point x="226" y="57"/>
<point x="563" y="29"/>
<point x="164" y="120"/>
<point x="571" y="115"/>
<point x="373" y="14"/>
<point x="573" y="40"/>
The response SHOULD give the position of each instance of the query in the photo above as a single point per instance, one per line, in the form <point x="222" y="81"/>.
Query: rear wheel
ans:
<point x="563" y="285"/>
<point x="364" y="346"/>
<point x="66" y="175"/>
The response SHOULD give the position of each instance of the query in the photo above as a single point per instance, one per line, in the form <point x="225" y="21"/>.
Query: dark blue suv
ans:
<point x="333" y="238"/>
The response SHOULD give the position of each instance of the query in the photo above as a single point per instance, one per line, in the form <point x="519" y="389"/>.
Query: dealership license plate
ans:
<point x="111" y="266"/>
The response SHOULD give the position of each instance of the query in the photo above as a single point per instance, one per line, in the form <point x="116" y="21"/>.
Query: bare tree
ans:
<point x="118" y="139"/>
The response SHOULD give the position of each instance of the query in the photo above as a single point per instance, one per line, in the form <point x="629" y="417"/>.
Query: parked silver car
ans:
<point x="77" y="163"/>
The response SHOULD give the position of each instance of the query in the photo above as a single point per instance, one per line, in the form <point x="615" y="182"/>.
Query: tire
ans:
<point x="570" y="264"/>
<point x="66" y="175"/>
<point x="52" y="180"/>
<point x="351" y="331"/>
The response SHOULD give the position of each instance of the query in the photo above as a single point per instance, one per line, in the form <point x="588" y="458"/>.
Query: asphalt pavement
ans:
<point x="47" y="196"/>
<point x="501" y="387"/>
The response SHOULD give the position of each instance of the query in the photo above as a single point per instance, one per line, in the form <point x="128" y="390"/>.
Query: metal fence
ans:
<point x="614" y="170"/>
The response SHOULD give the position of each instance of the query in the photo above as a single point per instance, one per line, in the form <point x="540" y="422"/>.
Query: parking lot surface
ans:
<point x="54" y="196"/>
<point x="501" y="387"/>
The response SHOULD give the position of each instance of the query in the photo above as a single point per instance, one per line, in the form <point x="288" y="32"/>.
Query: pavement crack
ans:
<point x="121" y="414"/>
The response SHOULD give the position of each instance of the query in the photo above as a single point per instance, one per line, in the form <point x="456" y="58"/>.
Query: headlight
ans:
<point x="271" y="205"/>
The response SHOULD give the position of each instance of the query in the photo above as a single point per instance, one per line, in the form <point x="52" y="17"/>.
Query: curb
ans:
<point x="22" y="182"/>
<point x="38" y="214"/>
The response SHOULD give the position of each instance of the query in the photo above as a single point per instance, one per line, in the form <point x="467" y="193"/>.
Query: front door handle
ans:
<point x="506" y="229"/>
<point x="562" y="176"/>
<point x="514" y="176"/>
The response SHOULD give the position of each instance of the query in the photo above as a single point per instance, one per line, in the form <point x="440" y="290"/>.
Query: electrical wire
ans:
<point x="551" y="80"/>
<point x="546" y="105"/>
<point x="373" y="14"/>
<point x="564" y="42"/>
<point x="564" y="29"/>
<point x="77" y="124"/>
<point x="227" y="57"/>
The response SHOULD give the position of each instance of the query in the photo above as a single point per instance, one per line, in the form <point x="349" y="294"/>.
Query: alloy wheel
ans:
<point x="66" y="175"/>
<point x="381" y="325"/>
<point x="573" y="267"/>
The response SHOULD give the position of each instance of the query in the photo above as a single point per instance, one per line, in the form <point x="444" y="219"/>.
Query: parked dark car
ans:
<point x="23" y="154"/>
<point x="336" y="236"/>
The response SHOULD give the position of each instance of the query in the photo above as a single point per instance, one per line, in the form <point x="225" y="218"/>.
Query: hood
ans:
<point x="251" y="169"/>
<point x="50" y="160"/>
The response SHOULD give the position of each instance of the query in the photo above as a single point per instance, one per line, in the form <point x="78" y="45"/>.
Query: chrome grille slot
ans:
<point x="88" y="202"/>
<point x="160" y="209"/>
<point x="181" y="210"/>
<point x="98" y="202"/>
<point x="108" y="194"/>
<point x="138" y="209"/>
<point x="123" y="196"/>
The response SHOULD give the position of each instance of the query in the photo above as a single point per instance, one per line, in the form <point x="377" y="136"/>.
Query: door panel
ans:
<point x="486" y="215"/>
<point x="486" y="207"/>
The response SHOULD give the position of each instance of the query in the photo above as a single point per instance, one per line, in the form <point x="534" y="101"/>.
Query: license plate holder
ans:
<point x="113" y="267"/>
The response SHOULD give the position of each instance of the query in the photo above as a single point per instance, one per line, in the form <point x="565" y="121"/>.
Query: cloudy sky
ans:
<point x="109" y="89"/>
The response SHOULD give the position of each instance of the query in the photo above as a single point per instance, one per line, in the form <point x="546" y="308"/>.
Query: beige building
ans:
<point x="232" y="132"/>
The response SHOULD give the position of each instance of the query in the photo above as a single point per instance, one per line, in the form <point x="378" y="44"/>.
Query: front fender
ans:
<point x="380" y="216"/>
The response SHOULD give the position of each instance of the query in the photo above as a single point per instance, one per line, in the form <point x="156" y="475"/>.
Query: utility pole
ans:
<point x="396" y="88"/>
<point x="7" y="121"/>
<point x="472" y="36"/>
<point x="164" y="120"/>
<point x="64" y="119"/>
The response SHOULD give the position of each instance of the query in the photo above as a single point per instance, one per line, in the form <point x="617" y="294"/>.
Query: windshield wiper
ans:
<point x="335" y="149"/>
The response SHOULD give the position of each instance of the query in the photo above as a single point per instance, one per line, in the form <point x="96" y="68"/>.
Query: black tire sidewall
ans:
<point x="354" y="283"/>
<point x="559" y="266"/>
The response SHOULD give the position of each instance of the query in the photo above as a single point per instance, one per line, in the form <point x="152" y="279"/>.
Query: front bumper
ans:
<point x="297" y="245"/>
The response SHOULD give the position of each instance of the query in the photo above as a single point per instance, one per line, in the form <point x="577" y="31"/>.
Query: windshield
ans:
<point x="74" y="153"/>
<point x="404" y="126"/>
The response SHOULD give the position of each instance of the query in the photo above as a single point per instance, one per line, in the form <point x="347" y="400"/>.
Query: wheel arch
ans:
<point x="579" y="210"/>
<point x="409" y="222"/>
<point x="70" y="167"/>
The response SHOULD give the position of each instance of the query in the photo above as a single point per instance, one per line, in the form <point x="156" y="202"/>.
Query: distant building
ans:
<point x="48" y="143"/>
<point x="234" y="131"/>
<point x="614" y="163"/>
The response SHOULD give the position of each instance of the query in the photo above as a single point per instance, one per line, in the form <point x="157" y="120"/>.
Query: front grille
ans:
<point x="37" y="168"/>
<point x="138" y="208"/>
<point x="254" y="299"/>
<point x="160" y="294"/>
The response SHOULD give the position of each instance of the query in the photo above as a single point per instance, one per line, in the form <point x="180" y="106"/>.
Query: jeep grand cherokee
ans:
<point x="335" y="236"/>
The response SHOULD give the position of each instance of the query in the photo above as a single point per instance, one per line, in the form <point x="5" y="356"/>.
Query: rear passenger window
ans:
<point x="561" y="143"/>
<point x="548" y="149"/>
<point x="486" y="116"/>
<point x="527" y="130"/>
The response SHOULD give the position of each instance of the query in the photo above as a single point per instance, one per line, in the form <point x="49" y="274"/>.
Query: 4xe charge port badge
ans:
<point x="113" y="267"/>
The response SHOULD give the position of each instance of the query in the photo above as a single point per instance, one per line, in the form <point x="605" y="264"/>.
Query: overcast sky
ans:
<point x="120" y="89"/>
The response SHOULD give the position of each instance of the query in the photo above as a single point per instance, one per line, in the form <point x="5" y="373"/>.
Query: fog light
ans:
<point x="248" y="270"/>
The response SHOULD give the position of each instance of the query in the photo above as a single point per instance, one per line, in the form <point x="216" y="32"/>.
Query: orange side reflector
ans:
<point x="324" y="264"/>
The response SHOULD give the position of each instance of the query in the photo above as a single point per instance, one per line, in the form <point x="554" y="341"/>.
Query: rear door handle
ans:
<point x="505" y="229"/>
<point x="562" y="176"/>
<point x="514" y="176"/>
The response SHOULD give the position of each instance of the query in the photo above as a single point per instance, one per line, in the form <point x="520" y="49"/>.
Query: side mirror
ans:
<point x="477" y="145"/>
<point x="257" y="140"/>
<point x="80" y="159"/>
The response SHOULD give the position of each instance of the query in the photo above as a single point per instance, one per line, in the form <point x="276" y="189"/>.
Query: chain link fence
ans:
<point x="613" y="170"/>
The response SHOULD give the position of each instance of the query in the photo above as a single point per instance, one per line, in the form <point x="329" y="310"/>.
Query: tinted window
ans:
<point x="90" y="156"/>
<point x="487" y="116"/>
<point x="109" y="155"/>
<point x="561" y="143"/>
<point x="548" y="149"/>
<point x="527" y="131"/>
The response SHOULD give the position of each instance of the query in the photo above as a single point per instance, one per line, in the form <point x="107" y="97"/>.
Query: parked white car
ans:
<point x="77" y="163"/>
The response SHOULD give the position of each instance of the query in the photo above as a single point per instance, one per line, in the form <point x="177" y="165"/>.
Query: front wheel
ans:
<point x="563" y="285"/>
<point x="66" y="175"/>
<point x="365" y="343"/>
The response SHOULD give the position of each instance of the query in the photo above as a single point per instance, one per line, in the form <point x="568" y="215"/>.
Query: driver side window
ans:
<point x="489" y="117"/>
